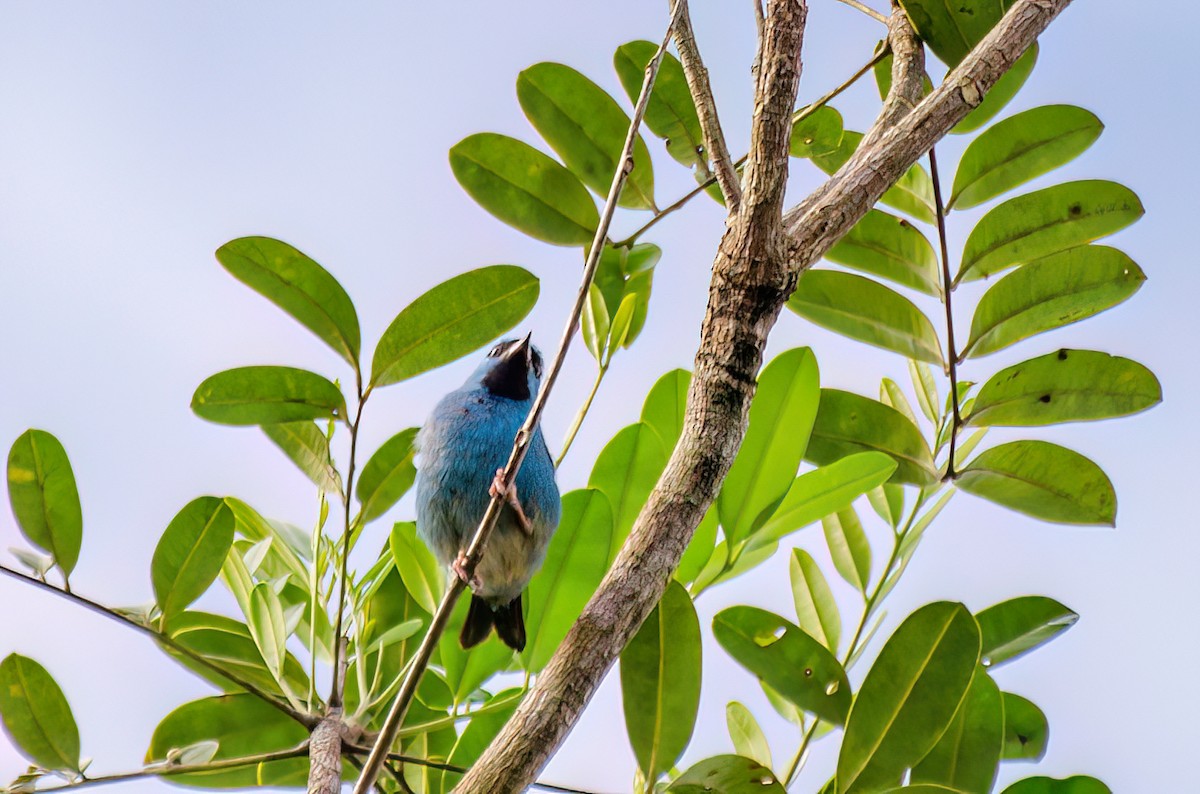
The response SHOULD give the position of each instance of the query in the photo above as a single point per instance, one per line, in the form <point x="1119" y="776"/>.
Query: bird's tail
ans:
<point x="508" y="620"/>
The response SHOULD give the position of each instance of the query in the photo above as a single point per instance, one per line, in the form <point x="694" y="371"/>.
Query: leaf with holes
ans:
<point x="36" y="715"/>
<point x="298" y="285"/>
<point x="1044" y="222"/>
<point x="587" y="128"/>
<point x="44" y="497"/>
<point x="1066" y="386"/>
<point x="909" y="697"/>
<point x="888" y="246"/>
<point x="1058" y="290"/>
<point x="660" y="683"/>
<point x="1042" y="480"/>
<point x="1026" y="732"/>
<point x="780" y="653"/>
<point x="453" y="319"/>
<point x="1020" y="148"/>
<point x="864" y="309"/>
<point x="525" y="188"/>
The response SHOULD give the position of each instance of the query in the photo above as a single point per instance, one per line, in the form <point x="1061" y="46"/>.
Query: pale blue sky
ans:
<point x="136" y="137"/>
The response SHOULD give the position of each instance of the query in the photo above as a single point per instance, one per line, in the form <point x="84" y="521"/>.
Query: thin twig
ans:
<point x="338" y="683"/>
<point x="444" y="767"/>
<point x="706" y="108"/>
<point x="168" y="770"/>
<point x="948" y="290"/>
<point x="797" y="116"/>
<point x="866" y="9"/>
<point x="760" y="28"/>
<point x="579" y="417"/>
<point x="307" y="720"/>
<point x="520" y="445"/>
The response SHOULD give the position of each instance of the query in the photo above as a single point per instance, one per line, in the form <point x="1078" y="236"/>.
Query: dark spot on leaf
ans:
<point x="1075" y="210"/>
<point x="904" y="224"/>
<point x="1062" y="355"/>
<point x="1022" y="739"/>
<point x="1045" y="398"/>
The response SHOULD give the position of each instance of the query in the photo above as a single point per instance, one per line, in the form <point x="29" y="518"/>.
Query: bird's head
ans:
<point x="512" y="369"/>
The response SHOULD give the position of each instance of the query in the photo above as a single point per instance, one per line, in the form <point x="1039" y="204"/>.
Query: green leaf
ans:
<point x="1020" y="148"/>
<point x="794" y="664"/>
<point x="420" y="572"/>
<point x="1026" y="733"/>
<point x="952" y="29"/>
<point x="452" y="319"/>
<point x="848" y="423"/>
<point x="747" y="737"/>
<point x="44" y="498"/>
<point x="1067" y="386"/>
<point x="1079" y="784"/>
<point x="298" y="285"/>
<point x="967" y="756"/>
<point x="1055" y="291"/>
<point x="670" y="112"/>
<point x="816" y="608"/>
<point x="888" y="503"/>
<point x="267" y="395"/>
<point x="576" y="561"/>
<point x="699" y="549"/>
<point x="189" y="554"/>
<point x="594" y="323"/>
<point x="849" y="547"/>
<point x="267" y="627"/>
<point x="727" y="774"/>
<point x="622" y="323"/>
<point x="817" y="133"/>
<point x="467" y="670"/>
<point x="525" y="189"/>
<point x="36" y="715"/>
<point x="388" y="475"/>
<point x="307" y="447"/>
<point x="479" y="733"/>
<point x="242" y="725"/>
<point x="1000" y="94"/>
<point x="788" y="390"/>
<point x="1045" y="222"/>
<point x="827" y="489"/>
<point x="625" y="472"/>
<point x="926" y="389"/>
<point x="587" y="128"/>
<point x="1015" y="627"/>
<point x="864" y="309"/>
<point x="909" y="696"/>
<point x="890" y="247"/>
<point x="666" y="405"/>
<point x="228" y="644"/>
<point x="660" y="682"/>
<point x="912" y="193"/>
<point x="1042" y="480"/>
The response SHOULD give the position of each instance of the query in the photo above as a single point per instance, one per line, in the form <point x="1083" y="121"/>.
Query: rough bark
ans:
<point x="753" y="274"/>
<point x="325" y="756"/>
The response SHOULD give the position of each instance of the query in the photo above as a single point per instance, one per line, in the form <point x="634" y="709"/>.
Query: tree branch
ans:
<point x="474" y="552"/>
<point x="307" y="720"/>
<point x="706" y="108"/>
<point x="749" y="286"/>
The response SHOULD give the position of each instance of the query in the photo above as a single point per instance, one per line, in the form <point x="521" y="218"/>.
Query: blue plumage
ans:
<point x="464" y="442"/>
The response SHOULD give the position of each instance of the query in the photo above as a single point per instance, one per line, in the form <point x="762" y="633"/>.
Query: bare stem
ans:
<point x="387" y="734"/>
<point x="307" y="720"/>
<point x="579" y="417"/>
<point x="866" y="9"/>
<point x="948" y="290"/>
<point x="338" y="684"/>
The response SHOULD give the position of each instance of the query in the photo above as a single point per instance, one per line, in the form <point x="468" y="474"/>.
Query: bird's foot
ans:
<point x="497" y="488"/>
<point x="459" y="566"/>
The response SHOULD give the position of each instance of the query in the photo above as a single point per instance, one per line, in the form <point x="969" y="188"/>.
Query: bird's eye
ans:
<point x="495" y="351"/>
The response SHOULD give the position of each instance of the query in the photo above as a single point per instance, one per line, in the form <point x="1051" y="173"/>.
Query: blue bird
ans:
<point x="464" y="446"/>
